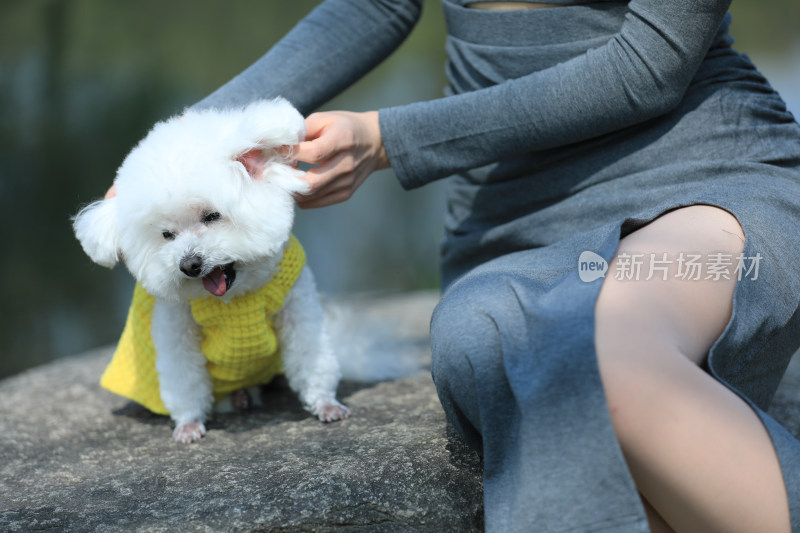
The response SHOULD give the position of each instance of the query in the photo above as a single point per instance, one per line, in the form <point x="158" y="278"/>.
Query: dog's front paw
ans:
<point x="186" y="433"/>
<point x="331" y="410"/>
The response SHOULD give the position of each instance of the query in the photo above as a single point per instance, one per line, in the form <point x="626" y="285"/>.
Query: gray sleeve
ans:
<point x="331" y="48"/>
<point x="640" y="73"/>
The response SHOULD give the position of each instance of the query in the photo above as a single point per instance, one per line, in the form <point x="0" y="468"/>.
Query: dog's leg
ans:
<point x="184" y="382"/>
<point x="242" y="401"/>
<point x="308" y="359"/>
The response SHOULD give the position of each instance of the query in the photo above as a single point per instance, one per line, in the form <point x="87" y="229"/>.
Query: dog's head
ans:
<point x="204" y="204"/>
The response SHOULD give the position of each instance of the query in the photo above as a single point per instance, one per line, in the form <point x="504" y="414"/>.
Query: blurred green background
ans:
<point x="82" y="81"/>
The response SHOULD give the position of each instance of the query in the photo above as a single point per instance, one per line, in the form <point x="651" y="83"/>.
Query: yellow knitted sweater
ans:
<point x="238" y="339"/>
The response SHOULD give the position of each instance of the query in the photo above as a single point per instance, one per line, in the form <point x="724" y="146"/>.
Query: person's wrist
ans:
<point x="381" y="157"/>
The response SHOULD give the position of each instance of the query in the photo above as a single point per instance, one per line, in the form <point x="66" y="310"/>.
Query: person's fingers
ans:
<point x="336" y="195"/>
<point x="323" y="201"/>
<point x="316" y="124"/>
<point x="336" y="184"/>
<point x="287" y="152"/>
<point x="316" y="151"/>
<point x="323" y="177"/>
<point x="317" y="147"/>
<point x="345" y="148"/>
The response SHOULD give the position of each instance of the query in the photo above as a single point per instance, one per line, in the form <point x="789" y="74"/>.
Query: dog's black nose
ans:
<point x="191" y="265"/>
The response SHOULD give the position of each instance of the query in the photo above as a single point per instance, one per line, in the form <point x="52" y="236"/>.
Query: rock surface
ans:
<point x="74" y="457"/>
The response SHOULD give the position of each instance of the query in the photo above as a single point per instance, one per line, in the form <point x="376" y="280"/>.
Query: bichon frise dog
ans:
<point x="202" y="218"/>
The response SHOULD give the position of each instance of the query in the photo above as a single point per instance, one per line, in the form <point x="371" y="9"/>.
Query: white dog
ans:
<point x="202" y="218"/>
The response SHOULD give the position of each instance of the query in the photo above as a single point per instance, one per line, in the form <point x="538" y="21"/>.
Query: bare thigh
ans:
<point x="697" y="452"/>
<point x="689" y="312"/>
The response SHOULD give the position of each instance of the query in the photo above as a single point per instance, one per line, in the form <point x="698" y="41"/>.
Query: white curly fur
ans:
<point x="231" y="163"/>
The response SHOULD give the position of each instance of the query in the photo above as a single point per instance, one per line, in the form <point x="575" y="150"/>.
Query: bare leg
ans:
<point x="657" y="524"/>
<point x="698" y="454"/>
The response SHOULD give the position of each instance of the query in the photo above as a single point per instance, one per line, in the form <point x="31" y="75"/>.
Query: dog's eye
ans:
<point x="210" y="217"/>
<point x="168" y="235"/>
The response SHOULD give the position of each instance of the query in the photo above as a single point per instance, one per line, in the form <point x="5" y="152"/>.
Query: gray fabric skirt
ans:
<point x="513" y="337"/>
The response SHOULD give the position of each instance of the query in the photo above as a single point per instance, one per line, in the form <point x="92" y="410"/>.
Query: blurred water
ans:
<point x="82" y="81"/>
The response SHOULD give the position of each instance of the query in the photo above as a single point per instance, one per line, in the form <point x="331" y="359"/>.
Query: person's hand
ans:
<point x="347" y="148"/>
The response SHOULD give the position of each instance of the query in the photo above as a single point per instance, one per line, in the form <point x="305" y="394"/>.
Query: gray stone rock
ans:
<point x="74" y="457"/>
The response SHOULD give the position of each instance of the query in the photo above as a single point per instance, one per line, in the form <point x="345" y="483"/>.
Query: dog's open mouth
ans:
<point x="219" y="280"/>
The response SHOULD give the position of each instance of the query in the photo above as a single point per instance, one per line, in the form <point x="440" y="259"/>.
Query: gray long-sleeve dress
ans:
<point x="562" y="130"/>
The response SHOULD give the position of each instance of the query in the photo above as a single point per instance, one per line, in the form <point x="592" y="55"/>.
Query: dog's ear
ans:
<point x="275" y="165"/>
<point x="265" y="133"/>
<point x="255" y="161"/>
<point x="95" y="227"/>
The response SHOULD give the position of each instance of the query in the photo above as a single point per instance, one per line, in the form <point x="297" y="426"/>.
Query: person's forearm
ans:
<point x="640" y="73"/>
<point x="327" y="51"/>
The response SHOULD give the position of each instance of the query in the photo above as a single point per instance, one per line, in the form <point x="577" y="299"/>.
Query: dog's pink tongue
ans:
<point x="215" y="282"/>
